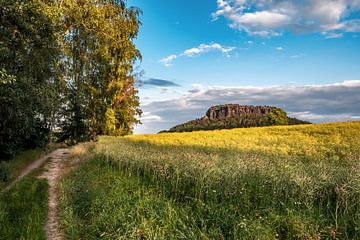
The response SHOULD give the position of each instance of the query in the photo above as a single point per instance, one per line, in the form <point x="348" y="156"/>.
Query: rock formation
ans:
<point x="237" y="116"/>
<point x="235" y="111"/>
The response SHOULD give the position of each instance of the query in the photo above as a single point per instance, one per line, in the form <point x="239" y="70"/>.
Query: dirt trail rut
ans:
<point x="55" y="167"/>
<point x="28" y="169"/>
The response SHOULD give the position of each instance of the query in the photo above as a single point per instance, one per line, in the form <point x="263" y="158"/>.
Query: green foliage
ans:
<point x="28" y="54"/>
<point x="23" y="159"/>
<point x="5" y="77"/>
<point x="288" y="182"/>
<point x="295" y="121"/>
<point x="109" y="126"/>
<point x="23" y="210"/>
<point x="66" y="65"/>
<point x="5" y="173"/>
<point x="99" y="55"/>
<point x="75" y="119"/>
<point x="278" y="117"/>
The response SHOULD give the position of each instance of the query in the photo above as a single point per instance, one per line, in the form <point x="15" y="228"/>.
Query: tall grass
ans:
<point x="18" y="163"/>
<point x="299" y="182"/>
<point x="321" y="140"/>
<point x="23" y="210"/>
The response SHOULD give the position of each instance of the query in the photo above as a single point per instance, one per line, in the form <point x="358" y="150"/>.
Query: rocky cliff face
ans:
<point x="237" y="116"/>
<point x="235" y="111"/>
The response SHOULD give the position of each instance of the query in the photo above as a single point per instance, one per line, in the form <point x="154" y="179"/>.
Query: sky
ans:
<point x="302" y="56"/>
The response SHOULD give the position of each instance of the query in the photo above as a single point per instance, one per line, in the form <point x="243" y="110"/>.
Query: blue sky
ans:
<point x="202" y="52"/>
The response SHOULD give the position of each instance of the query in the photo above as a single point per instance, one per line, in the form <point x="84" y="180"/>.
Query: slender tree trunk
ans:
<point x="94" y="136"/>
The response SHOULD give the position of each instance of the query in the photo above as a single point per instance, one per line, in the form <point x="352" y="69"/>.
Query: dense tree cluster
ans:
<point x="276" y="117"/>
<point x="66" y="66"/>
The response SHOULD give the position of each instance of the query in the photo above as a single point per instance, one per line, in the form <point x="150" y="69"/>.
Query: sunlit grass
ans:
<point x="299" y="182"/>
<point x="320" y="140"/>
<point x="23" y="210"/>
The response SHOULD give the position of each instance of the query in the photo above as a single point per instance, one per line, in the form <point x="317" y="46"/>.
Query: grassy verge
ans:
<point x="155" y="189"/>
<point x="23" y="210"/>
<point x="20" y="161"/>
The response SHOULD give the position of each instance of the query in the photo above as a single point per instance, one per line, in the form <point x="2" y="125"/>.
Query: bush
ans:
<point x="5" y="173"/>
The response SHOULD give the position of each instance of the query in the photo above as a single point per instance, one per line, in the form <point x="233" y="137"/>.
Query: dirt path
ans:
<point x="26" y="171"/>
<point x="56" y="166"/>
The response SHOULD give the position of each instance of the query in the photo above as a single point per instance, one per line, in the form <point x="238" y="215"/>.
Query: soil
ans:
<point x="56" y="166"/>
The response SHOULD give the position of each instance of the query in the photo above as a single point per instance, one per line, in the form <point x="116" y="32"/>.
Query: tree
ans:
<point x="74" y="55"/>
<point x="278" y="117"/>
<point x="28" y="54"/>
<point x="99" y="55"/>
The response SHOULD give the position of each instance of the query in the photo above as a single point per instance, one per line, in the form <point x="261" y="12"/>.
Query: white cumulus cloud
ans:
<point x="272" y="18"/>
<point x="167" y="60"/>
<point x="202" y="48"/>
<point x="207" y="48"/>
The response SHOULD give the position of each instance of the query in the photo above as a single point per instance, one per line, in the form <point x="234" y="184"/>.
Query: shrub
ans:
<point x="5" y="173"/>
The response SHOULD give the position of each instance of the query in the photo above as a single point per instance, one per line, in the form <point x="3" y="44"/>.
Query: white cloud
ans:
<point x="280" y="48"/>
<point x="207" y="48"/>
<point x="148" y="120"/>
<point x="351" y="83"/>
<point x="168" y="60"/>
<point x="333" y="35"/>
<point x="148" y="117"/>
<point x="315" y="103"/>
<point x="263" y="19"/>
<point x="202" y="48"/>
<point x="313" y="117"/>
<point x="272" y="18"/>
<point x="197" y="88"/>
<point x="351" y="25"/>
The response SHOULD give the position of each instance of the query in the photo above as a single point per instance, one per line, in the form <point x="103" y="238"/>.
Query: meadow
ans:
<point x="286" y="182"/>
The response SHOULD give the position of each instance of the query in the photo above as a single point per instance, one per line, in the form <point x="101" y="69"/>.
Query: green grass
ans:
<point x="19" y="162"/>
<point x="23" y="210"/>
<point x="300" y="182"/>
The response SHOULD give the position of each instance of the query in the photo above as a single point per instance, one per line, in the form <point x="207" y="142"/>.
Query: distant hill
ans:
<point x="238" y="116"/>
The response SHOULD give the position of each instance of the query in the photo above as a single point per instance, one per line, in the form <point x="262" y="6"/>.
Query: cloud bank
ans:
<point x="266" y="18"/>
<point x="202" y="48"/>
<point x="315" y="103"/>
